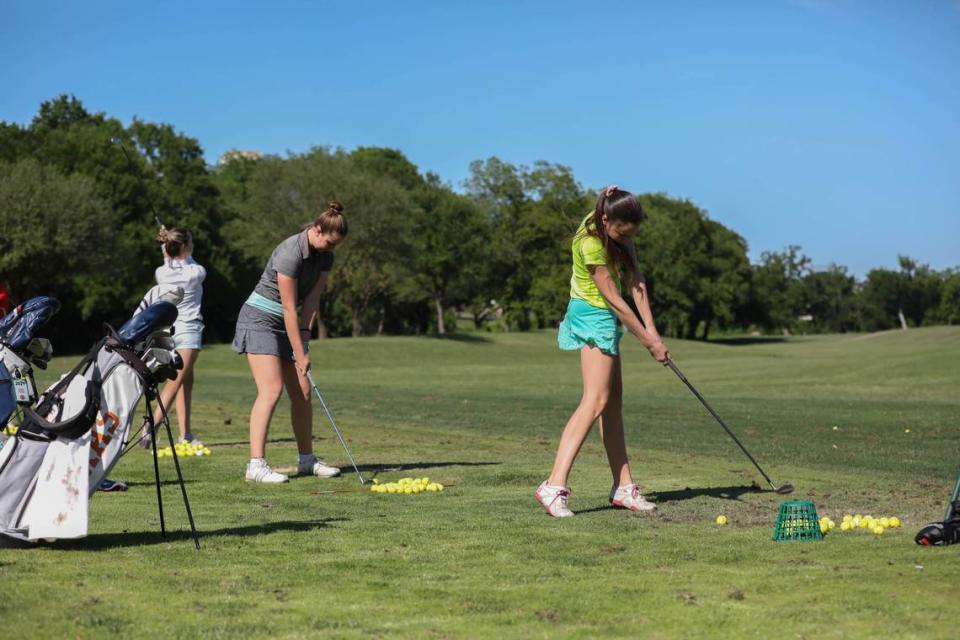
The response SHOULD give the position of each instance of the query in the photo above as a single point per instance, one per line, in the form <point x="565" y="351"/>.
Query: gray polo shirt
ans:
<point x="294" y="258"/>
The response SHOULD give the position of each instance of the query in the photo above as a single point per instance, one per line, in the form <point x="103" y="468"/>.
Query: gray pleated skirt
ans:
<point x="258" y="332"/>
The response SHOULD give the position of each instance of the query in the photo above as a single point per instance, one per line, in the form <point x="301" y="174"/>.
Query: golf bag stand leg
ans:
<point x="176" y="463"/>
<point x="148" y="424"/>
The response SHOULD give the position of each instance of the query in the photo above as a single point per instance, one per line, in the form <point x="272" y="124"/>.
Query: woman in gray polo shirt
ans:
<point x="274" y="336"/>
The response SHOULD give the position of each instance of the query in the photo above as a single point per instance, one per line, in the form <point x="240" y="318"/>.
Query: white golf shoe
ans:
<point x="317" y="467"/>
<point x="263" y="473"/>
<point x="554" y="500"/>
<point x="628" y="497"/>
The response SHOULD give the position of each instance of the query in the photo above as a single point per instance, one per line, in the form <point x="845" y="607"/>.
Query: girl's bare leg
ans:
<point x="301" y="411"/>
<point x="611" y="430"/>
<point x="267" y="376"/>
<point x="597" y="369"/>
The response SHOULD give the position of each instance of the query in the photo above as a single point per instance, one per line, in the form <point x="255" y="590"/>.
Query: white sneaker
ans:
<point x="317" y="468"/>
<point x="263" y="473"/>
<point x="628" y="497"/>
<point x="554" y="500"/>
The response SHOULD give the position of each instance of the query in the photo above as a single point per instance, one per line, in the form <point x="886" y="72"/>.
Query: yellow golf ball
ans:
<point x="845" y="525"/>
<point x="721" y="520"/>
<point x="894" y="522"/>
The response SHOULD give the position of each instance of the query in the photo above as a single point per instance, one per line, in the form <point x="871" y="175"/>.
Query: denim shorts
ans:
<point x="586" y="325"/>
<point x="188" y="334"/>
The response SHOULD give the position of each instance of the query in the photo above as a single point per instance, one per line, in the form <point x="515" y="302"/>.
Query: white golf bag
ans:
<point x="79" y="429"/>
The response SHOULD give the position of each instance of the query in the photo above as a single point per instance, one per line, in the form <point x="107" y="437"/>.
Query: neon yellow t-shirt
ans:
<point x="588" y="250"/>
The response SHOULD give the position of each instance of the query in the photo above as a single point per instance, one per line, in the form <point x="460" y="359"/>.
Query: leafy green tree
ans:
<point x="498" y="189"/>
<point x="830" y="297"/>
<point x="55" y="239"/>
<point x="776" y="295"/>
<point x="949" y="310"/>
<point x="168" y="175"/>
<point x="696" y="269"/>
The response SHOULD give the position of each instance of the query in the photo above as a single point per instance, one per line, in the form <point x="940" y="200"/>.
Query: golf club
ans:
<point x="117" y="141"/>
<point x="333" y="423"/>
<point x="784" y="488"/>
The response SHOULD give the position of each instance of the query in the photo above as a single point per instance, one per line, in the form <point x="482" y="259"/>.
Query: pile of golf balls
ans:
<point x="406" y="486"/>
<point x="184" y="450"/>
<point x="875" y="526"/>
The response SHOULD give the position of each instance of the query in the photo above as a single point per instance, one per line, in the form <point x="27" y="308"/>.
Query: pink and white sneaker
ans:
<point x="628" y="497"/>
<point x="554" y="500"/>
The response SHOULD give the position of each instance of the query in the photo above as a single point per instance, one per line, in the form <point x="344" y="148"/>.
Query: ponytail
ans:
<point x="620" y="207"/>
<point x="174" y="240"/>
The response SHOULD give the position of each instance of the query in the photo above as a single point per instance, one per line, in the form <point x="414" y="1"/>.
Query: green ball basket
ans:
<point x="797" y="522"/>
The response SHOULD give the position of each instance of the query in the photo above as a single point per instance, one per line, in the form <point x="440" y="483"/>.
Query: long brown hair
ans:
<point x="331" y="220"/>
<point x="620" y="207"/>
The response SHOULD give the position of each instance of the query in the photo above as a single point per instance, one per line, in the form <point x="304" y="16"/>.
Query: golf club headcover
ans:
<point x="140" y="326"/>
<point x="18" y="327"/>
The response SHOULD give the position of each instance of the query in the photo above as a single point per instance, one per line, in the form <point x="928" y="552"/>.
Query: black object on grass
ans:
<point x="782" y="489"/>
<point x="946" y="532"/>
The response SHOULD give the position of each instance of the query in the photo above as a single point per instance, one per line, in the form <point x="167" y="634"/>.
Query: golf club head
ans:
<point x="39" y="352"/>
<point x="784" y="489"/>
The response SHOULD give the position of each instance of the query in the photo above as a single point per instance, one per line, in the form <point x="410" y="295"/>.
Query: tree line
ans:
<point x="77" y="222"/>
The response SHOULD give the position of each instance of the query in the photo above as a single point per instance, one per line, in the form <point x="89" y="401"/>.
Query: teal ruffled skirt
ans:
<point x="586" y="325"/>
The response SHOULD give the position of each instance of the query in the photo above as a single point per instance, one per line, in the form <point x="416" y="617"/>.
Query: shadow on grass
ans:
<point x="743" y="341"/>
<point x="408" y="466"/>
<point x="246" y="443"/>
<point x="468" y="338"/>
<point x="101" y="541"/>
<point x="150" y="483"/>
<point x="724" y="493"/>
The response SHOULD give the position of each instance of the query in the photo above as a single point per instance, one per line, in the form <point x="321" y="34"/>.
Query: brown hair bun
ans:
<point x="332" y="220"/>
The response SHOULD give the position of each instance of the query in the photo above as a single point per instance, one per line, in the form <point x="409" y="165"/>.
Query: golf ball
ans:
<point x="721" y="520"/>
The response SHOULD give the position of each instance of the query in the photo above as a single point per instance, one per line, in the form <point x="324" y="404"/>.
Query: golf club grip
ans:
<point x="723" y="424"/>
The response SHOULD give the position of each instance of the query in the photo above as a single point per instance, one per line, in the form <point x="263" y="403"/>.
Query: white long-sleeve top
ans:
<point x="189" y="275"/>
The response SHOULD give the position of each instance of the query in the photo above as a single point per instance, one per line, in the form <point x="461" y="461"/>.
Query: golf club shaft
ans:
<point x="703" y="401"/>
<point x="333" y="423"/>
<point x="118" y="142"/>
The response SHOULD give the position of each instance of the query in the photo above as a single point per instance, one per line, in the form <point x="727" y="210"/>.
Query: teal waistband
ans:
<point x="265" y="304"/>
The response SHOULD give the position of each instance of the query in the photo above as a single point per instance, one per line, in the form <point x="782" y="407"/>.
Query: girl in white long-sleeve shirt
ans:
<point x="181" y="270"/>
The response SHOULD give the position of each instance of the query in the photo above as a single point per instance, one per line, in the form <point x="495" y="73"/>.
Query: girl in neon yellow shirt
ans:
<point x="605" y="271"/>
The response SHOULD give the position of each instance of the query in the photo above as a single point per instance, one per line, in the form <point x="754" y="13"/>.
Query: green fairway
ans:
<point x="483" y="412"/>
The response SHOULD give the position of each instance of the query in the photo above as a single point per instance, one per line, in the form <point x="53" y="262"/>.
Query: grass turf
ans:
<point x="484" y="413"/>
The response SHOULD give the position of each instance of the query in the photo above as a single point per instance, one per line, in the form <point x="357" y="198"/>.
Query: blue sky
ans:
<point x="832" y="124"/>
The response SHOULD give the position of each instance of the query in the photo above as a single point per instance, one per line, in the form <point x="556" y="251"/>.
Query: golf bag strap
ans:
<point x="127" y="354"/>
<point x="74" y="426"/>
<point x="51" y="395"/>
